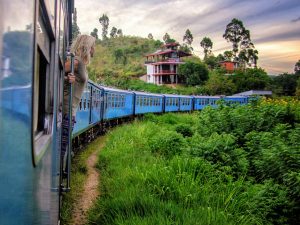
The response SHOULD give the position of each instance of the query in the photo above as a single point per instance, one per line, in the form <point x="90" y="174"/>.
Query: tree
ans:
<point x="207" y="45"/>
<point x="297" y="93"/>
<point x="150" y="36"/>
<point x="75" y="27"/>
<point x="286" y="84"/>
<point x="188" y="38"/>
<point x="113" y="32"/>
<point x="218" y="84"/>
<point x="94" y="33"/>
<point x="228" y="55"/>
<point x="211" y="61"/>
<point x="185" y="48"/>
<point x="248" y="57"/>
<point x="220" y="58"/>
<point x="166" y="37"/>
<point x="120" y="32"/>
<point x="297" y="67"/>
<point x="237" y="34"/>
<point x="104" y="21"/>
<point x="250" y="79"/>
<point x="193" y="73"/>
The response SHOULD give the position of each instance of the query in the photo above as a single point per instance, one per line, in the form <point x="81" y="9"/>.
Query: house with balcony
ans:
<point x="162" y="65"/>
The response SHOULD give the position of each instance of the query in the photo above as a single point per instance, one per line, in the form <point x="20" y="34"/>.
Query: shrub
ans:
<point x="167" y="143"/>
<point x="184" y="129"/>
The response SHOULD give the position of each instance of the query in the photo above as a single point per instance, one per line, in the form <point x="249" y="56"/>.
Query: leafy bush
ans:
<point x="167" y="143"/>
<point x="184" y="129"/>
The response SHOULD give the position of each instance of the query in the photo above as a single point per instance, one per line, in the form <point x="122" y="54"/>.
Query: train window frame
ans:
<point x="43" y="83"/>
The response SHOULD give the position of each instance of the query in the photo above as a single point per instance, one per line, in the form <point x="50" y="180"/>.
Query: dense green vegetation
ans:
<point x="231" y="165"/>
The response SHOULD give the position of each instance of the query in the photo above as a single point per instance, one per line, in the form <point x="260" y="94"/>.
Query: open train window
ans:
<point x="43" y="85"/>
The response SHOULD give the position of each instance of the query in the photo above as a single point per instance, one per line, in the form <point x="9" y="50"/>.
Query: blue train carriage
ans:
<point x="171" y="103"/>
<point x="185" y="103"/>
<point x="200" y="102"/>
<point x="236" y="99"/>
<point x="83" y="114"/>
<point x="32" y="48"/>
<point x="148" y="103"/>
<point x="96" y="103"/>
<point x="89" y="110"/>
<point x="117" y="103"/>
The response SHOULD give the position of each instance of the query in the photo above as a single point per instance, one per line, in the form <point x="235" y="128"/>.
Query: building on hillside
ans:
<point x="230" y="66"/>
<point x="162" y="65"/>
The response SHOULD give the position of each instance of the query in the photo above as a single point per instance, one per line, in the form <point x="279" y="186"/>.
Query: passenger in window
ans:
<point x="83" y="49"/>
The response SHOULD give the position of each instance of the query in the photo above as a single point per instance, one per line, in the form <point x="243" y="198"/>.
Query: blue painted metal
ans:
<point x="117" y="103"/>
<point x="186" y="103"/>
<point x="172" y="103"/>
<point x="148" y="103"/>
<point x="83" y="112"/>
<point x="241" y="100"/>
<point x="202" y="101"/>
<point x="96" y="104"/>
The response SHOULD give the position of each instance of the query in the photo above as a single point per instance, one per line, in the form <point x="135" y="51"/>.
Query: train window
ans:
<point x="123" y="101"/>
<point x="80" y="105"/>
<point x="43" y="85"/>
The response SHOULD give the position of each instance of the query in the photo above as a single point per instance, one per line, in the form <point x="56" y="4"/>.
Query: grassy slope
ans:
<point x="133" y="49"/>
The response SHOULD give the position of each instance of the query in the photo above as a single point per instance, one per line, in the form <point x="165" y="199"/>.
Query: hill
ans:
<point x="119" y="62"/>
<point x="121" y="56"/>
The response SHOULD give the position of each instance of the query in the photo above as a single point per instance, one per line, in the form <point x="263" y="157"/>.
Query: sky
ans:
<point x="274" y="24"/>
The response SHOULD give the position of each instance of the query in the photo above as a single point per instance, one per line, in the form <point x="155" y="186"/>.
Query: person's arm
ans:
<point x="68" y="66"/>
<point x="69" y="77"/>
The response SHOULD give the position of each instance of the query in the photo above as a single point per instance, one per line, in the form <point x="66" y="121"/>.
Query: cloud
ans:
<point x="295" y="20"/>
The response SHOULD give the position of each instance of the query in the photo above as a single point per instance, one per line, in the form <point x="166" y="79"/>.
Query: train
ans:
<point x="35" y="36"/>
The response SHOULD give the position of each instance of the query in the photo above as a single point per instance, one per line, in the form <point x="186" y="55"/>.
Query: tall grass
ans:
<point x="142" y="186"/>
<point x="230" y="165"/>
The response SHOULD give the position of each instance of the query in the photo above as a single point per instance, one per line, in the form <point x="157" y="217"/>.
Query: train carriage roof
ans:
<point x="177" y="96"/>
<point x="147" y="93"/>
<point x="207" y="96"/>
<point x="115" y="90"/>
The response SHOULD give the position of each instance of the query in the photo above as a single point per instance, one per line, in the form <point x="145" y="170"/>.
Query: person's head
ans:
<point x="83" y="46"/>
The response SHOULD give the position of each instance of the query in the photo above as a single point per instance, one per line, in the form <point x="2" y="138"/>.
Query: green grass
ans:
<point x="78" y="178"/>
<point x="218" y="166"/>
<point x="140" y="184"/>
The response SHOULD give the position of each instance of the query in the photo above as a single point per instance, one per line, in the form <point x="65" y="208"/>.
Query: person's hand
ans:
<point x="71" y="78"/>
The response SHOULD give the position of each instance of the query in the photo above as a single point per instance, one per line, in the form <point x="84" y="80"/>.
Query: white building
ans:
<point x="162" y="65"/>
